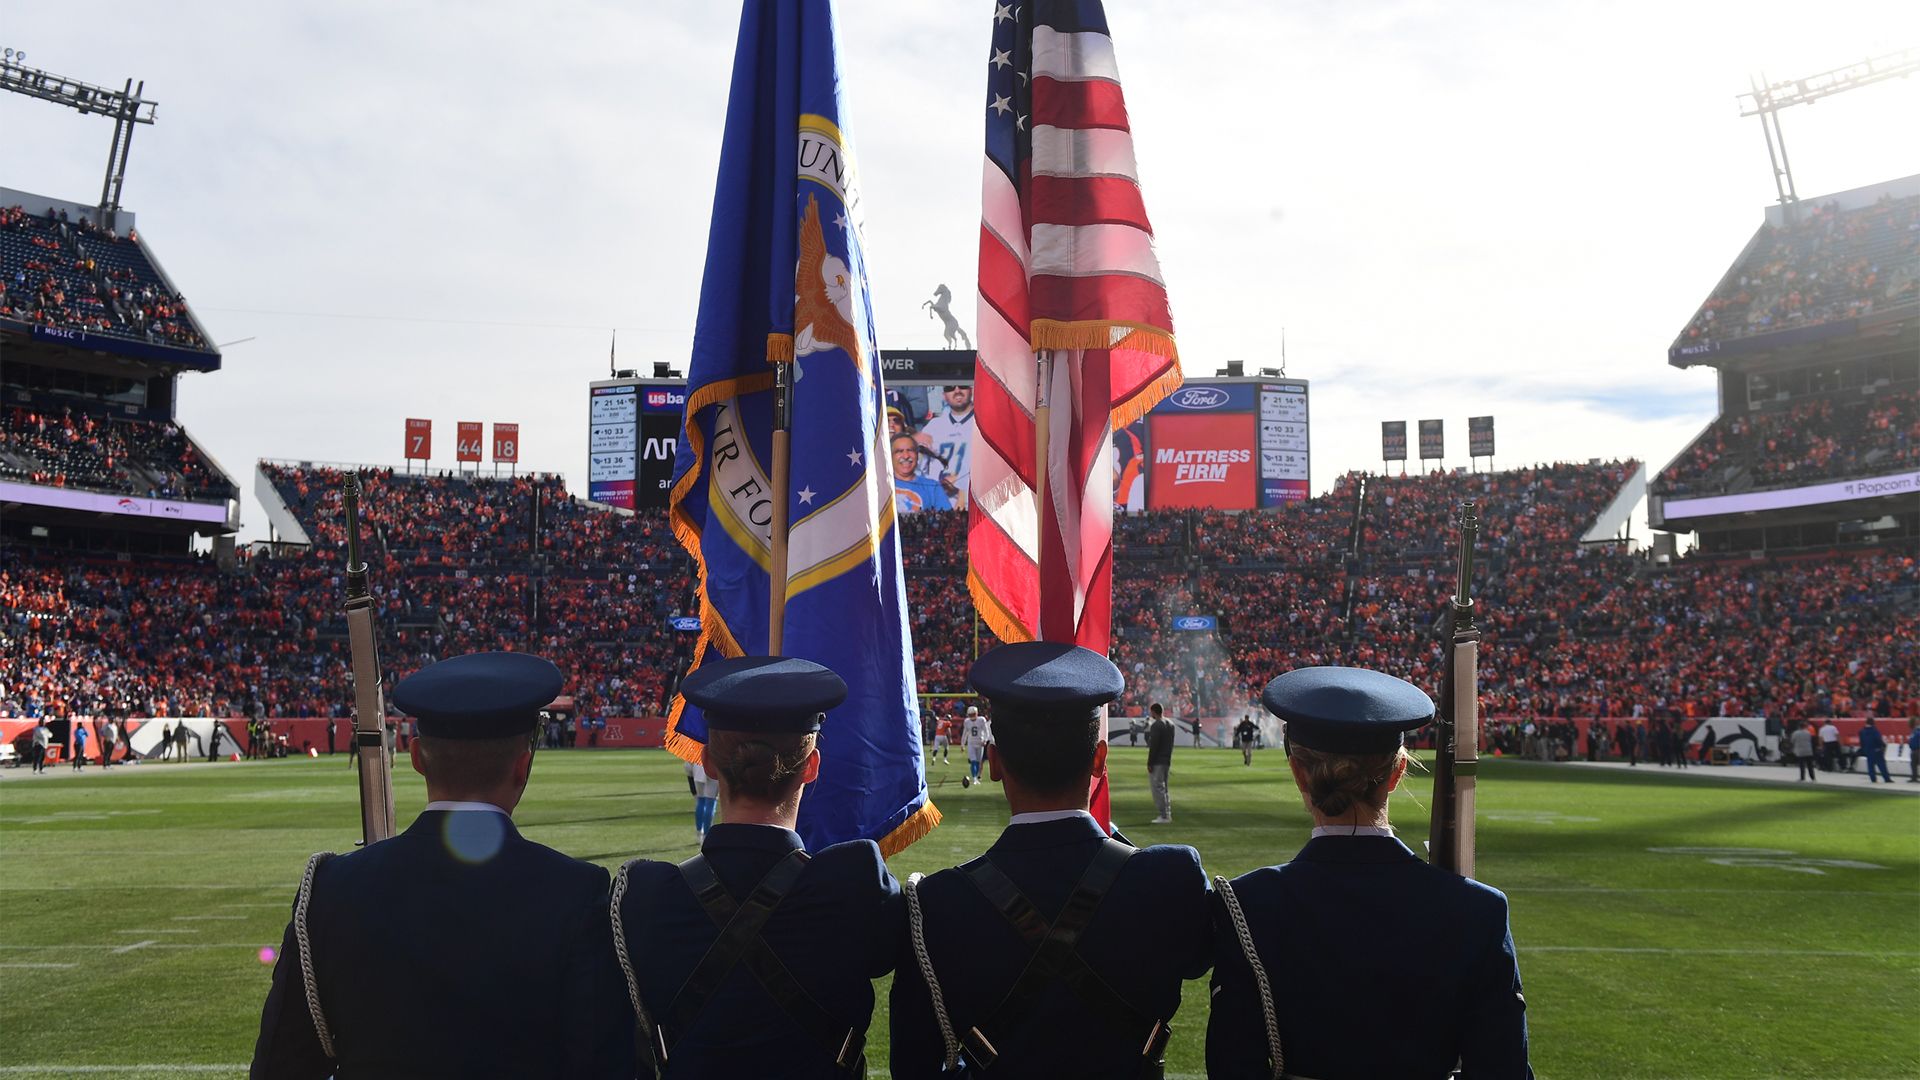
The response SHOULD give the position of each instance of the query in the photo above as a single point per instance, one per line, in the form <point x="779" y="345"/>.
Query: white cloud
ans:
<point x="1453" y="209"/>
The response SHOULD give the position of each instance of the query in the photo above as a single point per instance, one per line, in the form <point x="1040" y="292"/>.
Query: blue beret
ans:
<point x="774" y="694"/>
<point x="487" y="695"/>
<point x="1046" y="677"/>
<point x="1343" y="710"/>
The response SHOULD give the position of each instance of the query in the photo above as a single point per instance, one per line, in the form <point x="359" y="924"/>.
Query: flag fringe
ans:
<point x="1102" y="334"/>
<point x="918" y="824"/>
<point x="1141" y="403"/>
<point x="995" y="614"/>
<point x="779" y="348"/>
<point x="686" y="531"/>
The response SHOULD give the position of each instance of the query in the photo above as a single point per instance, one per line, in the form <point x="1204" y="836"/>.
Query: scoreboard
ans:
<point x="633" y="431"/>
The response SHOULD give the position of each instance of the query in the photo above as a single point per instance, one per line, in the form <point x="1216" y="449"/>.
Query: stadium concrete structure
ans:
<point x="98" y="342"/>
<point x="1802" y="609"/>
<point x="1814" y="333"/>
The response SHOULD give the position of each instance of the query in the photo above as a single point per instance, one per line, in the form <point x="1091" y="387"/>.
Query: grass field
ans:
<point x="136" y="903"/>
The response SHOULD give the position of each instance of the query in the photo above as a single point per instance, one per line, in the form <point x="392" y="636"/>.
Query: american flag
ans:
<point x="1066" y="264"/>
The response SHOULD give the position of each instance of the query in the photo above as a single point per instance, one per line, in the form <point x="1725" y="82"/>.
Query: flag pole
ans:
<point x="1041" y="432"/>
<point x="782" y="460"/>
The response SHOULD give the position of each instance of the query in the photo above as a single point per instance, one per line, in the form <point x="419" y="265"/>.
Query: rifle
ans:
<point x="369" y="697"/>
<point x="1457" y="733"/>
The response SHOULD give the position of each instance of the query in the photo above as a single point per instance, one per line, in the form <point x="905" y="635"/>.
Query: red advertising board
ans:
<point x="506" y="443"/>
<point x="419" y="439"/>
<point x="1203" y="460"/>
<point x="466" y="445"/>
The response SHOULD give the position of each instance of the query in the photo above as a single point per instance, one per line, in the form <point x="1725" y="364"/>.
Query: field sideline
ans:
<point x="1668" y="926"/>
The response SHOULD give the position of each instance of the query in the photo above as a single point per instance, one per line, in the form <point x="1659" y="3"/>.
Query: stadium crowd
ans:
<point x="1804" y="442"/>
<point x="1355" y="576"/>
<point x="1829" y="264"/>
<point x="65" y="447"/>
<point x="56" y="271"/>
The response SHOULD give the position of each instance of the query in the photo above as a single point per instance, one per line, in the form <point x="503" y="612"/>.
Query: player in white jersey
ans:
<point x="950" y="436"/>
<point x="976" y="735"/>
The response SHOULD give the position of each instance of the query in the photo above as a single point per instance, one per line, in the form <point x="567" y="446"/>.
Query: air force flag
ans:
<point x="786" y="278"/>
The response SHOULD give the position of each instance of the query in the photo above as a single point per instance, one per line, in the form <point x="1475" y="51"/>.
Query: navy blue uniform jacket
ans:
<point x="455" y="949"/>
<point x="1150" y="933"/>
<point x="1381" y="966"/>
<point x="836" y="931"/>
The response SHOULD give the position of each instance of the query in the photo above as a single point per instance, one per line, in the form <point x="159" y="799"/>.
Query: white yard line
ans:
<point x="151" y="944"/>
<point x="173" y="930"/>
<point x="209" y="918"/>
<point x="1657" y="951"/>
<point x="116" y="1069"/>
<point x="38" y="965"/>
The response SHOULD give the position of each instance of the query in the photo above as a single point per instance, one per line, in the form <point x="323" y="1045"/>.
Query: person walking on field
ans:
<point x="80" y="746"/>
<point x="42" y="738"/>
<point x="1830" y="746"/>
<point x="1873" y="747"/>
<point x="1245" y="734"/>
<point x="1802" y="740"/>
<point x="166" y="741"/>
<point x="1160" y="761"/>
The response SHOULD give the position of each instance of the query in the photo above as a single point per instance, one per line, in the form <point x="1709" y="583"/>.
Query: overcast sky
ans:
<point x="440" y="209"/>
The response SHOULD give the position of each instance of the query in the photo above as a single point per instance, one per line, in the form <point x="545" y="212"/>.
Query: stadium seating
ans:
<point x="1830" y="264"/>
<point x="71" y="448"/>
<point x="58" y="272"/>
<point x="1355" y="576"/>
<point x="1804" y="441"/>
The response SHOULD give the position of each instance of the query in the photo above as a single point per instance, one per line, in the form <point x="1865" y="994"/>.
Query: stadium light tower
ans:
<point x="125" y="106"/>
<point x="1766" y="101"/>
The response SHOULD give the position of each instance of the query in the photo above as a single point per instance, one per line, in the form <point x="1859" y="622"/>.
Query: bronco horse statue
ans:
<point x="939" y="308"/>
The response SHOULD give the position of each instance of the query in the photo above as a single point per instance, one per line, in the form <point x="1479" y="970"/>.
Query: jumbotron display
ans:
<point x="1215" y="443"/>
<point x="1225" y="444"/>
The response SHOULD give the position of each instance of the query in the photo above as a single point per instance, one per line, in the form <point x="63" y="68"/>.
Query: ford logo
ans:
<point x="1193" y="622"/>
<point x="1199" y="397"/>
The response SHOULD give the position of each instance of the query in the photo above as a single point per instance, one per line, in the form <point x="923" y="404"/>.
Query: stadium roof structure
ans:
<point x="1824" y="278"/>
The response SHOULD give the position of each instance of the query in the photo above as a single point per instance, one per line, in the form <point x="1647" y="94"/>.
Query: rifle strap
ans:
<point x="1276" y="1054"/>
<point x="1056" y="957"/>
<point x="649" y="1049"/>
<point x="740" y="941"/>
<point x="305" y="941"/>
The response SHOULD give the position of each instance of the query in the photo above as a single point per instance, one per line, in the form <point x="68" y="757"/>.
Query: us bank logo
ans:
<point x="1198" y="397"/>
<point x="666" y="398"/>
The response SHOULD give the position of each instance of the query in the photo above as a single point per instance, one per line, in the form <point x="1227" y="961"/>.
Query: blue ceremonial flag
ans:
<point x="786" y="279"/>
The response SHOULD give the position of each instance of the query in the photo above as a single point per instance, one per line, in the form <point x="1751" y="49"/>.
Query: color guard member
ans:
<point x="1060" y="952"/>
<point x="458" y="948"/>
<point x="1371" y="963"/>
<point x="754" y="958"/>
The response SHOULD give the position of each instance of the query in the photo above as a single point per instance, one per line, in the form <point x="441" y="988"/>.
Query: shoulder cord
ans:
<point x="1245" y="935"/>
<point x="918" y="924"/>
<point x="306" y="952"/>
<point x="620" y="950"/>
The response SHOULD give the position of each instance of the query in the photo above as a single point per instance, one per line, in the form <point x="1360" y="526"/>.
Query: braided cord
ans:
<point x="620" y="948"/>
<point x="918" y="923"/>
<point x="1274" y="1049"/>
<point x="306" y="952"/>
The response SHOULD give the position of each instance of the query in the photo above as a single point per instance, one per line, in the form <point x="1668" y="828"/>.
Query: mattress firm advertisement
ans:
<point x="1227" y="446"/>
